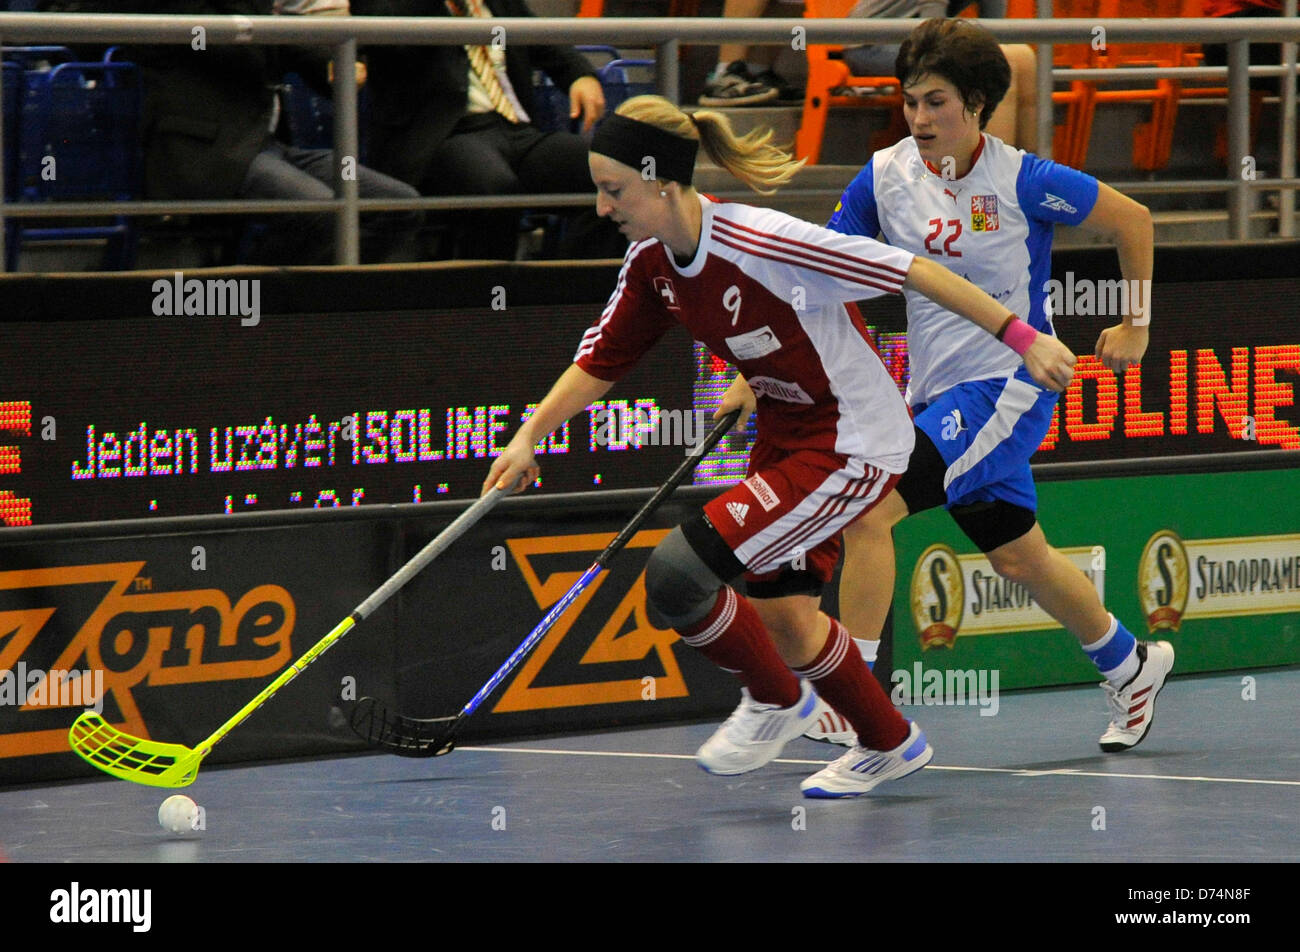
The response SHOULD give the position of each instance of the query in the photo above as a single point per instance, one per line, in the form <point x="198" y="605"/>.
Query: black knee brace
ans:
<point x="991" y="525"/>
<point x="680" y="585"/>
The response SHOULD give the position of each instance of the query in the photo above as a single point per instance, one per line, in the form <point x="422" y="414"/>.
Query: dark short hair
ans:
<point x="963" y="53"/>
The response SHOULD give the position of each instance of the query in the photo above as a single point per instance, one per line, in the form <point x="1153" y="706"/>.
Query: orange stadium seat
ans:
<point x="1070" y="141"/>
<point x="676" y="8"/>
<point x="1152" y="138"/>
<point x="825" y="76"/>
<point x="1194" y="57"/>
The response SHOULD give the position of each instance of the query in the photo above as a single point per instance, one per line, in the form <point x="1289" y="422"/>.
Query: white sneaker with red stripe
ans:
<point x="1133" y="707"/>
<point x="832" y="727"/>
<point x="755" y="733"/>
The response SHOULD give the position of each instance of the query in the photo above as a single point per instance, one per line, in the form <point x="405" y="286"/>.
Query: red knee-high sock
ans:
<point x="845" y="682"/>
<point x="733" y="637"/>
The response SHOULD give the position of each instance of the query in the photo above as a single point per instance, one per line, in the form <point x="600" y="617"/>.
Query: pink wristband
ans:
<point x="1018" y="335"/>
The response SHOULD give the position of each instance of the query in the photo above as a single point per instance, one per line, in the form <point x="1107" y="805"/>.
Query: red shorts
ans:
<point x="791" y="509"/>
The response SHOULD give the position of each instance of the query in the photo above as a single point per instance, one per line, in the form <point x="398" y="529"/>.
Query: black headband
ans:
<point x="631" y="142"/>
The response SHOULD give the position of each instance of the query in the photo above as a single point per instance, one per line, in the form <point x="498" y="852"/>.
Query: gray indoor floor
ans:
<point x="1218" y="779"/>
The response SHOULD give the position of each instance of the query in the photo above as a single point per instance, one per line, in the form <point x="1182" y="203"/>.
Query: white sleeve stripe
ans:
<point x="858" y="270"/>
<point x="821" y="250"/>
<point x="592" y="335"/>
<point x="893" y="287"/>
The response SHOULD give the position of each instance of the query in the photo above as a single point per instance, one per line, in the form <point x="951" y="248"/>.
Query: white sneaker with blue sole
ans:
<point x="755" y="733"/>
<point x="862" y="769"/>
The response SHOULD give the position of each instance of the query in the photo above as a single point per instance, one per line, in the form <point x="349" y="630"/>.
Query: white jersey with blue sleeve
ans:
<point x="992" y="226"/>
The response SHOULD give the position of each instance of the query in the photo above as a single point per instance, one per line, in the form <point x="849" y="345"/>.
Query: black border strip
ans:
<point x="425" y="286"/>
<point x="1246" y="460"/>
<point x="531" y="505"/>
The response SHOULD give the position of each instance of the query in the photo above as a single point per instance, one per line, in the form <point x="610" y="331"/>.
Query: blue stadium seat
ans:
<point x="310" y="117"/>
<point x="616" y="77"/>
<point x="38" y="57"/>
<point x="551" y="113"/>
<point x="78" y="139"/>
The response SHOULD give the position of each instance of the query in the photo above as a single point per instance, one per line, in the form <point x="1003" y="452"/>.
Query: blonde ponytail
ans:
<point x="751" y="158"/>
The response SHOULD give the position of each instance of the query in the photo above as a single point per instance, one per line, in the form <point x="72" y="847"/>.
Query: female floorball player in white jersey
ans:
<point x="766" y="292"/>
<point x="985" y="210"/>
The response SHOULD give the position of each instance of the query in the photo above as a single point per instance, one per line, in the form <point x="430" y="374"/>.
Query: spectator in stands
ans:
<point x="210" y="113"/>
<point x="1016" y="119"/>
<point x="455" y="120"/>
<point x="1261" y="54"/>
<point x="744" y="75"/>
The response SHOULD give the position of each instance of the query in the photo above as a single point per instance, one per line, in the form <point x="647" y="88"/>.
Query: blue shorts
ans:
<point x="986" y="430"/>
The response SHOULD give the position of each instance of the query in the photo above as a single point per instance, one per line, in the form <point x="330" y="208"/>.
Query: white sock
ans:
<point x="868" y="649"/>
<point x="1104" y="640"/>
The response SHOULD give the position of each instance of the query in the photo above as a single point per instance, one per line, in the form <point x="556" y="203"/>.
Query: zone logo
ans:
<point x="612" y="649"/>
<point x="1057" y="204"/>
<point x="135" y="636"/>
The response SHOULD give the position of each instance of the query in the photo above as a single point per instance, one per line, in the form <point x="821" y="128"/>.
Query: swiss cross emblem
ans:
<point x="667" y="292"/>
<point x="984" y="213"/>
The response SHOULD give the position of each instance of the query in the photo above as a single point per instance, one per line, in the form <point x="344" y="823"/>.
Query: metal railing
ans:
<point x="346" y="34"/>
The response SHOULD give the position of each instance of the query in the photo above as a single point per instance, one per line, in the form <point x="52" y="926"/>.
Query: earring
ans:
<point x="663" y="193"/>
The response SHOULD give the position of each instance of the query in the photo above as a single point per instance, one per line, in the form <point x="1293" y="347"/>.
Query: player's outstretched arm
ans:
<point x="1048" y="361"/>
<point x="1128" y="225"/>
<point x="575" y="390"/>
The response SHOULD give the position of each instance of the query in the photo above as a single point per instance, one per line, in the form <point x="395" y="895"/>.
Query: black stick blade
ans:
<point x="405" y="736"/>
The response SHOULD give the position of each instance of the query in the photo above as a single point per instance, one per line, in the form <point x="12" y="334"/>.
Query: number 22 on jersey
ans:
<point x="938" y="228"/>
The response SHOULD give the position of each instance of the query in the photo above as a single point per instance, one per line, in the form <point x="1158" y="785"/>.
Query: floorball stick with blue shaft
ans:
<point x="435" y="736"/>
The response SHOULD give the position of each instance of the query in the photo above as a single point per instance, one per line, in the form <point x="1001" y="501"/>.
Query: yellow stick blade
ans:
<point x="121" y="755"/>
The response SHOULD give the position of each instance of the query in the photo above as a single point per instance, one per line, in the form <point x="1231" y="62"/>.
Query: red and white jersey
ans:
<point x="767" y="293"/>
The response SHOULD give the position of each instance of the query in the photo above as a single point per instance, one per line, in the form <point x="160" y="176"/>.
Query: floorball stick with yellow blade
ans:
<point x="157" y="764"/>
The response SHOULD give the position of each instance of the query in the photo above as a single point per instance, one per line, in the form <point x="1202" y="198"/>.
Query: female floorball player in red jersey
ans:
<point x="978" y="418"/>
<point x="766" y="292"/>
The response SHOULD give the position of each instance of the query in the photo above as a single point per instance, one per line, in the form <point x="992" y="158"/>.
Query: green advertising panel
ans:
<point x="1208" y="562"/>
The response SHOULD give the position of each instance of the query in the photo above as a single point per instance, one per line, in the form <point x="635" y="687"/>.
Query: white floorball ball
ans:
<point x="177" y="814"/>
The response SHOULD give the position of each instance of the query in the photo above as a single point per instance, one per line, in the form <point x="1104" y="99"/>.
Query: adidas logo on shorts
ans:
<point x="739" y="511"/>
